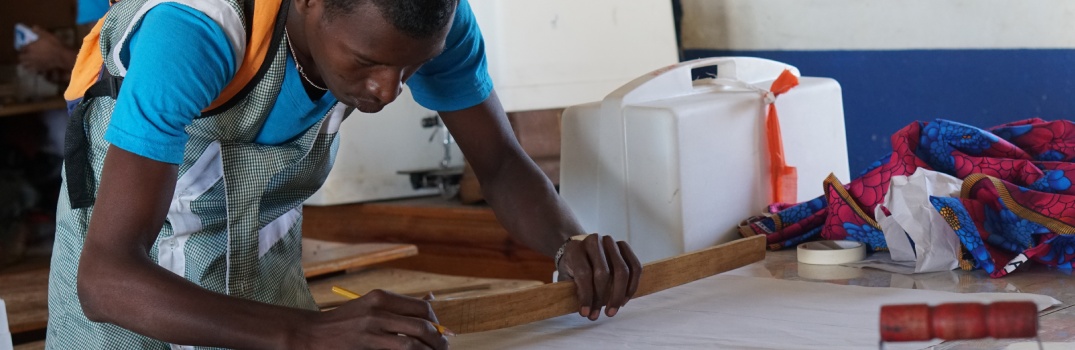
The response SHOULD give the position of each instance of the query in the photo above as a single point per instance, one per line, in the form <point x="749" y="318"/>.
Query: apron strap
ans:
<point x="77" y="165"/>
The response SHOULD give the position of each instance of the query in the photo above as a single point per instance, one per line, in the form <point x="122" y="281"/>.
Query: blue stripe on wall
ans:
<point x="885" y="90"/>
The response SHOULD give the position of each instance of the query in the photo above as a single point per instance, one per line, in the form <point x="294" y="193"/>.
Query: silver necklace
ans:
<point x="297" y="65"/>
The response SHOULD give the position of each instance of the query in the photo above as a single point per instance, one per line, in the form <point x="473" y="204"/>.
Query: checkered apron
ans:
<point x="234" y="223"/>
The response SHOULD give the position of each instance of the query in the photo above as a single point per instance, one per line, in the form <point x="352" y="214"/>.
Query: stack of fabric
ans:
<point x="1017" y="203"/>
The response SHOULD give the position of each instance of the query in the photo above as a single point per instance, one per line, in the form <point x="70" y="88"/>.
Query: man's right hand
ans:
<point x="377" y="320"/>
<point x="119" y="283"/>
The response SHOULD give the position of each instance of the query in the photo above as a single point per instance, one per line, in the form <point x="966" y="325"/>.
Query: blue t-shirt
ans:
<point x="90" y="11"/>
<point x="171" y="78"/>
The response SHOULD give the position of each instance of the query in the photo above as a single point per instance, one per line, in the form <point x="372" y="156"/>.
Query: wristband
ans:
<point x="563" y="248"/>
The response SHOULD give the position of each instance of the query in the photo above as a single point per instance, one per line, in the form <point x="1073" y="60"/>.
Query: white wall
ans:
<point x="877" y="24"/>
<point x="981" y="62"/>
<point x="558" y="53"/>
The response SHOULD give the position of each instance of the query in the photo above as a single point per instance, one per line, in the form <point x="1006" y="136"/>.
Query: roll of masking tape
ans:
<point x="828" y="272"/>
<point x="831" y="252"/>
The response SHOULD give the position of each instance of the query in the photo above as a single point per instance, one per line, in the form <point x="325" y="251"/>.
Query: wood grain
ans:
<point x="323" y="257"/>
<point x="461" y="260"/>
<point x="453" y="238"/>
<point x="411" y="283"/>
<point x="468" y="315"/>
<point x="24" y="288"/>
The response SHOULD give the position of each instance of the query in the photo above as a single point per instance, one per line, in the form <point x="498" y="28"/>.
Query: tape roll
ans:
<point x="828" y="272"/>
<point x="831" y="252"/>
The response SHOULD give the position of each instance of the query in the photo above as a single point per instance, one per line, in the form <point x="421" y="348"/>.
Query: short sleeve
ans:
<point x="90" y="11"/>
<point x="170" y="79"/>
<point x="458" y="78"/>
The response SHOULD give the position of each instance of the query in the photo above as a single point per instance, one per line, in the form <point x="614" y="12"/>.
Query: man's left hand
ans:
<point x="606" y="273"/>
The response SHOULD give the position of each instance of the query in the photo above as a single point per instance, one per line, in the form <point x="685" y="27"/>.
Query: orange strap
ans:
<point x="263" y="23"/>
<point x="89" y="62"/>
<point x="784" y="178"/>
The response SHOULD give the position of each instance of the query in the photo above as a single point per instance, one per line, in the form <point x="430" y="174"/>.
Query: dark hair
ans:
<point x="416" y="18"/>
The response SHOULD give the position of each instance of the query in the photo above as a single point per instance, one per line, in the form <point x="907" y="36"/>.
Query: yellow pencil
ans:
<point x="352" y="295"/>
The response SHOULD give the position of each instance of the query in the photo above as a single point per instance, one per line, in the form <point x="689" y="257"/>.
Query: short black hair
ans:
<point x="415" y="18"/>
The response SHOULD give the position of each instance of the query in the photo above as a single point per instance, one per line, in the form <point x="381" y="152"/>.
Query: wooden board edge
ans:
<point x="342" y="264"/>
<point x="477" y="314"/>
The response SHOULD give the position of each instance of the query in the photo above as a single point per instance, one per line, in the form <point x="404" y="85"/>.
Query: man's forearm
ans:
<point x="606" y="272"/>
<point x="136" y="294"/>
<point x="528" y="206"/>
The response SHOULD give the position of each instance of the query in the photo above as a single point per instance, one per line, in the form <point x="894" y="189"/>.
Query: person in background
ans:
<point x="49" y="56"/>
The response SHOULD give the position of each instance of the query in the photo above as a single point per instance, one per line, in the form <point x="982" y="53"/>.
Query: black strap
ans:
<point x="76" y="147"/>
<point x="108" y="85"/>
<point x="248" y="11"/>
<point x="80" y="180"/>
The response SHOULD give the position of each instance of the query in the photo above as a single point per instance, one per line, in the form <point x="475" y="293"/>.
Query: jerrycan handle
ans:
<point x="675" y="80"/>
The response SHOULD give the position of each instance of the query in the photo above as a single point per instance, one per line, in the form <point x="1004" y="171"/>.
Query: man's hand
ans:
<point x="525" y="202"/>
<point x="119" y="283"/>
<point x="48" y="56"/>
<point x="378" y="320"/>
<point x="606" y="273"/>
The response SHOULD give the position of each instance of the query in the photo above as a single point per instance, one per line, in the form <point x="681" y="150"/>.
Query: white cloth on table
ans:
<point x="735" y="311"/>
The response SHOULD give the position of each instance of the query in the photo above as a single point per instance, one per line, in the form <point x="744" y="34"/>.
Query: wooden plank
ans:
<point x="427" y="220"/>
<point x="463" y="260"/>
<point x="323" y="257"/>
<point x="453" y="239"/>
<point x="468" y="315"/>
<point x="412" y="283"/>
<point x="24" y="288"/>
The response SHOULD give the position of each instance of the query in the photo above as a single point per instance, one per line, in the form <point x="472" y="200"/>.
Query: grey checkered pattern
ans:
<point x="261" y="183"/>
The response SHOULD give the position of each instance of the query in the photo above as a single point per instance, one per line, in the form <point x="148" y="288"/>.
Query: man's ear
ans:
<point x="306" y="7"/>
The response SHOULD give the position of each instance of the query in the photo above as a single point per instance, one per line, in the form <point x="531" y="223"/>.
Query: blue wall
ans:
<point x="884" y="90"/>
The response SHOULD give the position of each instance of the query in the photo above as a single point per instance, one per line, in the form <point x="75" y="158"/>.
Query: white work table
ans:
<point x="1057" y="322"/>
<point x="786" y="302"/>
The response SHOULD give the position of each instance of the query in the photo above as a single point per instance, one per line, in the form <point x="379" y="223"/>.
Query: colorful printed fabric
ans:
<point x="1017" y="202"/>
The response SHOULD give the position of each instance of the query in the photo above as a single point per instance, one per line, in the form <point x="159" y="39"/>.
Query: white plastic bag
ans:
<point x="5" y="333"/>
<point x="914" y="219"/>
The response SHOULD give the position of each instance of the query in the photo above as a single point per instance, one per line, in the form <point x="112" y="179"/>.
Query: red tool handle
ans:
<point x="920" y="322"/>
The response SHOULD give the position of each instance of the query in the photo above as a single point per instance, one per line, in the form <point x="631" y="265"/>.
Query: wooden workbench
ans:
<point x="1057" y="323"/>
<point x="454" y="239"/>
<point x="24" y="287"/>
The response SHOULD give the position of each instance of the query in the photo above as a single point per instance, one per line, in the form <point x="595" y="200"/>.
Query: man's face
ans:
<point x="363" y="59"/>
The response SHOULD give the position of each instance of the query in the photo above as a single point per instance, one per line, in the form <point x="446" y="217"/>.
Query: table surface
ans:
<point x="24" y="287"/>
<point x="1057" y="323"/>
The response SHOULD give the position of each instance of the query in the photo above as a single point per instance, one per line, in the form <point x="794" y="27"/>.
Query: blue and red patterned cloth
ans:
<point x="1017" y="203"/>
